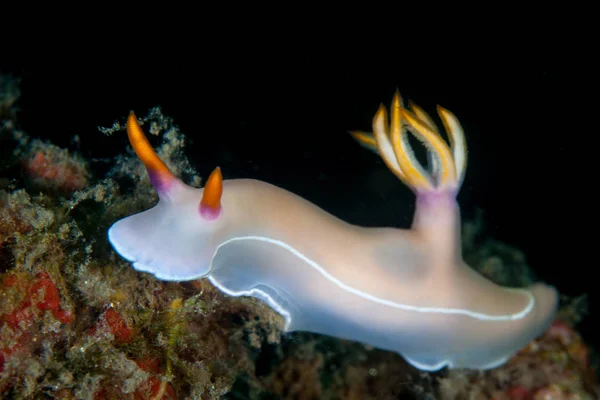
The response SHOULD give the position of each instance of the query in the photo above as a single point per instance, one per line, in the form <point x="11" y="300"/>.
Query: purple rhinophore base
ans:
<point x="209" y="213"/>
<point x="436" y="199"/>
<point x="161" y="185"/>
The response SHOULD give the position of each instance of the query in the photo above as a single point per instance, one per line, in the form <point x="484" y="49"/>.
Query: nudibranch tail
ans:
<point x="446" y="163"/>
<point x="210" y="205"/>
<point x="160" y="175"/>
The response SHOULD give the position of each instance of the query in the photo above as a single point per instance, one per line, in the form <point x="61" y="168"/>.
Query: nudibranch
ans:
<point x="403" y="290"/>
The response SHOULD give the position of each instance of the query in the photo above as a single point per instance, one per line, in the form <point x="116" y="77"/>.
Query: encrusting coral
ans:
<point x="77" y="322"/>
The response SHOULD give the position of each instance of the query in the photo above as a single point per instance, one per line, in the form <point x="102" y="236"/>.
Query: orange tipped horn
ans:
<point x="160" y="175"/>
<point x="210" y="205"/>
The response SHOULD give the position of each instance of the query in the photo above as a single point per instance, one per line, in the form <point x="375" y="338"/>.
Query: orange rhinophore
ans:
<point x="210" y="205"/>
<point x="160" y="175"/>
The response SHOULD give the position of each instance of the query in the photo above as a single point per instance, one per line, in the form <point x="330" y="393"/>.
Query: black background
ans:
<point x="274" y="102"/>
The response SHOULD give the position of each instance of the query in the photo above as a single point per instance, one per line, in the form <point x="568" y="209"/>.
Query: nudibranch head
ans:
<point x="169" y="240"/>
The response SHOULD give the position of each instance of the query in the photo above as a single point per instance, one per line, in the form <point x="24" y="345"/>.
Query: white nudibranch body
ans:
<point x="407" y="291"/>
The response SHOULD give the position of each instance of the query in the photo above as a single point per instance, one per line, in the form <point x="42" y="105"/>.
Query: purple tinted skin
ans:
<point x="209" y="213"/>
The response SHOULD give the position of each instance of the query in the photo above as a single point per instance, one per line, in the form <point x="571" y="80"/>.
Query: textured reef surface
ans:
<point x="77" y="322"/>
